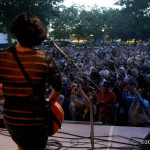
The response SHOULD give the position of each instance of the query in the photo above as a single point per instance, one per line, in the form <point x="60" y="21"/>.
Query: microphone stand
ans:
<point x="61" y="51"/>
<point x="90" y="97"/>
<point x="91" y="121"/>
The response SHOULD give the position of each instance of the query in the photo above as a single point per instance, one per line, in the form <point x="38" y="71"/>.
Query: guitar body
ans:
<point x="56" y="117"/>
<point x="1" y="86"/>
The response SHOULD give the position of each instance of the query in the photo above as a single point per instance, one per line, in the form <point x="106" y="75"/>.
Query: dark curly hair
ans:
<point x="28" y="29"/>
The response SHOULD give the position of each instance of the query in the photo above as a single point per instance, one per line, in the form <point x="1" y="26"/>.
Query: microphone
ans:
<point x="51" y="41"/>
<point x="62" y="52"/>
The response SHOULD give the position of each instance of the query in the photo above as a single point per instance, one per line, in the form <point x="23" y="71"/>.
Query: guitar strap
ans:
<point x="52" y="115"/>
<point x="34" y="98"/>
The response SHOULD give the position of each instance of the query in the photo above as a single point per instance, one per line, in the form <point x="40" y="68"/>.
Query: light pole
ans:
<point x="91" y="39"/>
<point x="103" y="36"/>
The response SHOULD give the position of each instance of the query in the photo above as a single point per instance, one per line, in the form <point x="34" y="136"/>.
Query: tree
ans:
<point x="131" y="22"/>
<point x="137" y="14"/>
<point x="11" y="8"/>
<point x="64" y="24"/>
<point x="96" y="23"/>
<point x="112" y="23"/>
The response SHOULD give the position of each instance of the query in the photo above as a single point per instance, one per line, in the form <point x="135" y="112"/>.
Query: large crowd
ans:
<point x="121" y="76"/>
<point x="120" y="72"/>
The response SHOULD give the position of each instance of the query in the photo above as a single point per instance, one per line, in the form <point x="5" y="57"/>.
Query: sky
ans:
<point x="99" y="3"/>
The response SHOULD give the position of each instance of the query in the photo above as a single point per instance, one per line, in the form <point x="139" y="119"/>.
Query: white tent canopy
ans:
<point x="3" y="38"/>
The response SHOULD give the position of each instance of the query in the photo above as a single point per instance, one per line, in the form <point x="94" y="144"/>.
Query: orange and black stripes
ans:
<point x="16" y="86"/>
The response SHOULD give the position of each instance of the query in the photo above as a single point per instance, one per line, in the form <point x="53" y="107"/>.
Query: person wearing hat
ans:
<point x="123" y="70"/>
<point x="121" y="80"/>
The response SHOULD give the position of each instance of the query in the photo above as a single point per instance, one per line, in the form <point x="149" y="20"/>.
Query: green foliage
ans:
<point x="64" y="23"/>
<point x="131" y="22"/>
<point x="78" y="21"/>
<point x="137" y="16"/>
<point x="43" y="9"/>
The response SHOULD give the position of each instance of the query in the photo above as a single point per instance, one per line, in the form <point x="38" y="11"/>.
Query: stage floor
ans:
<point x="77" y="136"/>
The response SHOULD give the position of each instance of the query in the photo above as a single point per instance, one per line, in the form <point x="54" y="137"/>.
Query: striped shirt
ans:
<point x="18" y="106"/>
